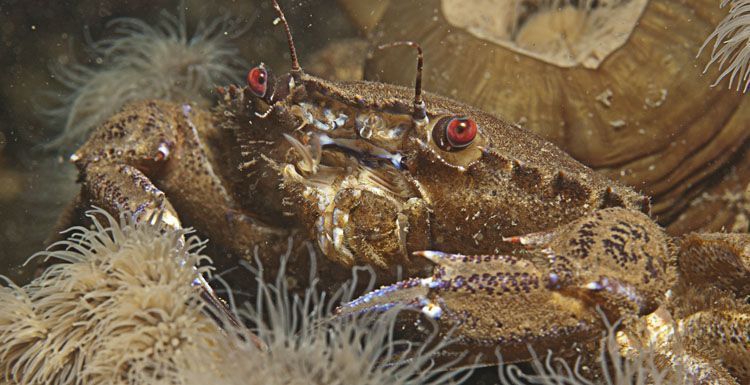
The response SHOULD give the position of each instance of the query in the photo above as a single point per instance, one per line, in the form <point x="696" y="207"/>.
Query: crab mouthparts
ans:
<point x="367" y="154"/>
<point x="334" y="163"/>
<point x="324" y="173"/>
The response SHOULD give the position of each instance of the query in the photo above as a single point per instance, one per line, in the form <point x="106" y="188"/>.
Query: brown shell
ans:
<point x="646" y="116"/>
<point x="529" y="180"/>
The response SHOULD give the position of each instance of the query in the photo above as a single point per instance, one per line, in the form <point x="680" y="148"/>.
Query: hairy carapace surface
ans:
<point x="369" y="183"/>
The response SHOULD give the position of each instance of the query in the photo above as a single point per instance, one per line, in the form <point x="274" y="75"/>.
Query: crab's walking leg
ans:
<point x="721" y="260"/>
<point x="159" y="155"/>
<point x="707" y="346"/>
<point x="723" y="332"/>
<point x="123" y="188"/>
<point x="714" y="273"/>
<point x="490" y="302"/>
<point x="151" y="158"/>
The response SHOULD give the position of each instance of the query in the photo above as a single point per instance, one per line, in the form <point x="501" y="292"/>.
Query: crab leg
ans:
<point x="720" y="260"/>
<point x="546" y="294"/>
<point x="490" y="301"/>
<point x="149" y="158"/>
<point x="727" y="330"/>
<point x="144" y="200"/>
<point x="152" y="156"/>
<point x="123" y="188"/>
<point x="712" y="326"/>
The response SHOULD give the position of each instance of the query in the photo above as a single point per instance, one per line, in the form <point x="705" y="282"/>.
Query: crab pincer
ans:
<point x="547" y="298"/>
<point x="487" y="301"/>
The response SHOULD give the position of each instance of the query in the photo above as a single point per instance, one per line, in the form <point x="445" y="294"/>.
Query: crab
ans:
<point x="374" y="174"/>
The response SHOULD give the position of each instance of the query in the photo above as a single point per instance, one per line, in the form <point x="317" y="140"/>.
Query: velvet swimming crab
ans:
<point x="369" y="173"/>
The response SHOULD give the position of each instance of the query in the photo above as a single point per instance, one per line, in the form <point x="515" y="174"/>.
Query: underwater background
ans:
<point x="645" y="108"/>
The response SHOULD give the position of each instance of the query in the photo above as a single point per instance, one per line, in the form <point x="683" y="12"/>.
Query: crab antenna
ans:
<point x="420" y="112"/>
<point x="292" y="51"/>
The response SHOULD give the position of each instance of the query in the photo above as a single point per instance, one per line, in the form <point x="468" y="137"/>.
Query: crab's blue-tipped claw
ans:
<point x="550" y="296"/>
<point x="408" y="294"/>
<point x="384" y="298"/>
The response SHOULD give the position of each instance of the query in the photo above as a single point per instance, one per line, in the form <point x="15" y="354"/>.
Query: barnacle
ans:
<point x="731" y="47"/>
<point x="142" y="61"/>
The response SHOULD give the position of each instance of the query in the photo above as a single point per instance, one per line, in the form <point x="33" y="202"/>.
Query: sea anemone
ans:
<point x="731" y="48"/>
<point x="565" y="33"/>
<point x="120" y="309"/>
<point x="305" y="344"/>
<point x="120" y="306"/>
<point x="640" y="368"/>
<point x="142" y="61"/>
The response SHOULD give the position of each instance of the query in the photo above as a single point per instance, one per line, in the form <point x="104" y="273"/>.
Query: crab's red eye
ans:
<point x="257" y="81"/>
<point x="452" y="133"/>
<point x="461" y="131"/>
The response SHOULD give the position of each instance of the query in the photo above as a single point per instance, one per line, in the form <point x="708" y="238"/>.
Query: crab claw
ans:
<point x="411" y="293"/>
<point x="489" y="301"/>
<point x="548" y="296"/>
